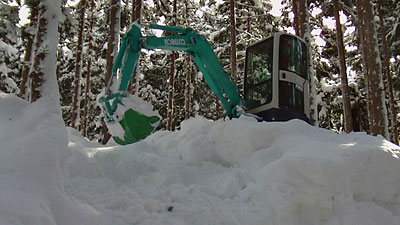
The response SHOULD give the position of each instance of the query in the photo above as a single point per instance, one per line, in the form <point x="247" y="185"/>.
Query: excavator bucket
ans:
<point x="136" y="127"/>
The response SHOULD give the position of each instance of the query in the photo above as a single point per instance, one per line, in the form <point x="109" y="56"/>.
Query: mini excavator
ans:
<point x="276" y="80"/>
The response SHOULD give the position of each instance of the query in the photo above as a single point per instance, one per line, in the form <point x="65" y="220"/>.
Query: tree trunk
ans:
<point x="373" y="67"/>
<point x="28" y="51"/>
<point x="36" y="74"/>
<point x="249" y="18"/>
<point x="133" y="17"/>
<point x="43" y="74"/>
<point x="361" y="34"/>
<point x="112" y="49"/>
<point x="296" y="17"/>
<point x="138" y="10"/>
<point x="217" y="109"/>
<point x="113" y="37"/>
<point x="188" y="84"/>
<point x="302" y="28"/>
<point x="171" y="92"/>
<point x="171" y="78"/>
<point x="300" y="17"/>
<point x="348" y="121"/>
<point x="136" y="15"/>
<point x="87" y="88"/>
<point x="78" y="66"/>
<point x="386" y="56"/>
<point x="42" y="80"/>
<point x="233" y="42"/>
<point x="25" y="71"/>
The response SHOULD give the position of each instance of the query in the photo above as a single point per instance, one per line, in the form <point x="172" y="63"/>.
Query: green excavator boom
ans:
<point x="138" y="126"/>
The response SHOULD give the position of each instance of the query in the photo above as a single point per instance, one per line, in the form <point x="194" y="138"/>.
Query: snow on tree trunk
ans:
<point x="348" y="121"/>
<point x="373" y="66"/>
<point x="78" y="66"/>
<point x="389" y="87"/>
<point x="43" y="72"/>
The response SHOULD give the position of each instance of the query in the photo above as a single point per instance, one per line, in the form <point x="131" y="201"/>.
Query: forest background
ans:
<point x="354" y="50"/>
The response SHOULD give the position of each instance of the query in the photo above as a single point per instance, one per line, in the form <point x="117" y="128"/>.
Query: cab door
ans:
<point x="276" y="85"/>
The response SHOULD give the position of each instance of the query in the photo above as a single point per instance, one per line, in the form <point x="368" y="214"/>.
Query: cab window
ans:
<point x="293" y="55"/>
<point x="258" y="78"/>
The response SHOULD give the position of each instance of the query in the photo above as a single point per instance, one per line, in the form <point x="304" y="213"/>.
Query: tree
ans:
<point x="113" y="36"/>
<point x="188" y="61"/>
<point x="9" y="56"/>
<point x="88" y="74"/>
<point x="300" y="17"/>
<point x="233" y="41"/>
<point x="136" y="15"/>
<point x="348" y="122"/>
<point x="29" y="46"/>
<point x="301" y="25"/>
<point x="171" y="77"/>
<point x="373" y="68"/>
<point x="78" y="65"/>
<point x="389" y="85"/>
<point x="112" y="49"/>
<point x="43" y="72"/>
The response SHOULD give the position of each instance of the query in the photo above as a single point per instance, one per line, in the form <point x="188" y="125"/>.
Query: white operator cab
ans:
<point x="276" y="81"/>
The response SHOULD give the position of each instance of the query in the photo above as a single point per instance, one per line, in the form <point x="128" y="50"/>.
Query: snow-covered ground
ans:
<point x="208" y="173"/>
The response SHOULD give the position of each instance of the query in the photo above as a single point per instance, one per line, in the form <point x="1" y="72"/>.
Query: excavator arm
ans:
<point x="138" y="126"/>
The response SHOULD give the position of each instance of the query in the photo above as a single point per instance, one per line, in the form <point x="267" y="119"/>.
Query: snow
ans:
<point x="8" y="50"/>
<point x="232" y="172"/>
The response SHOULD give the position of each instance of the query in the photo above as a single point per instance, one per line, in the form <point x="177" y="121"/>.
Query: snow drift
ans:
<point x="208" y="173"/>
<point x="33" y="150"/>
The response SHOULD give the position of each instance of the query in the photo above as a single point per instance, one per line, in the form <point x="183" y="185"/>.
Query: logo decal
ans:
<point x="174" y="42"/>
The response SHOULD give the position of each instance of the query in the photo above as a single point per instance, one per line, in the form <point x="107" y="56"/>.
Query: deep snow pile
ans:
<point x="224" y="172"/>
<point x="33" y="156"/>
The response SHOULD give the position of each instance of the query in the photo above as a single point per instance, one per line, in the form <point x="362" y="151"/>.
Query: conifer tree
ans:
<point x="33" y="6"/>
<point x="9" y="56"/>
<point x="172" y="76"/>
<point x="373" y="68"/>
<point x="89" y="71"/>
<point x="389" y="86"/>
<point x="112" y="48"/>
<point x="301" y="25"/>
<point x="136" y="16"/>
<point x="348" y="121"/>
<point x="43" y="74"/>
<point x="188" y="80"/>
<point x="233" y="40"/>
<point x="78" y="65"/>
